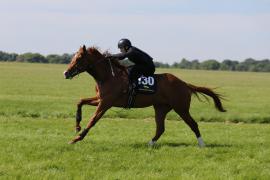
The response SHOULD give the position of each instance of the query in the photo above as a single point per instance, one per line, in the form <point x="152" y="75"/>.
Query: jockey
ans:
<point x="144" y="64"/>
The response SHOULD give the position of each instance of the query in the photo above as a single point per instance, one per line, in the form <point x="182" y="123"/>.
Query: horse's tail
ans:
<point x="204" y="90"/>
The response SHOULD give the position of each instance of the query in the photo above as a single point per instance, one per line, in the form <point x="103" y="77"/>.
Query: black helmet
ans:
<point x="124" y="43"/>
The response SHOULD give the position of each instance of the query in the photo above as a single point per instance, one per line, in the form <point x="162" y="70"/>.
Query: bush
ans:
<point x="31" y="57"/>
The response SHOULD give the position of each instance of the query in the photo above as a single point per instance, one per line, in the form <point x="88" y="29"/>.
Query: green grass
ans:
<point x="40" y="91"/>
<point x="37" y="108"/>
<point x="117" y="149"/>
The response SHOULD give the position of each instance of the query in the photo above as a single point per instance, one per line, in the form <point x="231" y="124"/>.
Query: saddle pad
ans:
<point x="146" y="85"/>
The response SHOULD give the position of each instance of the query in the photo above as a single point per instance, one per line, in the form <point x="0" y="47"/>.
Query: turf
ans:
<point x="37" y="108"/>
<point x="117" y="149"/>
<point x="40" y="91"/>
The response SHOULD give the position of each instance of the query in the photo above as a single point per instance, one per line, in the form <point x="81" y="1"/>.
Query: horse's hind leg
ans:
<point x="193" y="125"/>
<point x="89" y="101"/>
<point x="160" y="114"/>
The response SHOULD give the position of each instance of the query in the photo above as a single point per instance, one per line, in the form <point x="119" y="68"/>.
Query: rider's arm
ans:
<point x="119" y="56"/>
<point x="122" y="55"/>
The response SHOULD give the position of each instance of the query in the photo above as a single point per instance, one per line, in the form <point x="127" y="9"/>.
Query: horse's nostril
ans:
<point x="66" y="74"/>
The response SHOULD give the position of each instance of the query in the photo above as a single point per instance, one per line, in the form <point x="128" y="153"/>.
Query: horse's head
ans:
<point x="78" y="64"/>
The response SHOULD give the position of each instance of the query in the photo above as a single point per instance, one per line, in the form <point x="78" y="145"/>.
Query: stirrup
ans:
<point x="131" y="85"/>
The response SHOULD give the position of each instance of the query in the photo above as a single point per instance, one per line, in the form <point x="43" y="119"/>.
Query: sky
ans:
<point x="167" y="30"/>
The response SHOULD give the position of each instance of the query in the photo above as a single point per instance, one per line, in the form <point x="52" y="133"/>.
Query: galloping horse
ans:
<point x="112" y="86"/>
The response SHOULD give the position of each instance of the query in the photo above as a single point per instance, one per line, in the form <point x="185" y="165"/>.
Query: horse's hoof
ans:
<point x="201" y="145"/>
<point x="200" y="142"/>
<point x="76" y="139"/>
<point x="152" y="143"/>
<point x="71" y="142"/>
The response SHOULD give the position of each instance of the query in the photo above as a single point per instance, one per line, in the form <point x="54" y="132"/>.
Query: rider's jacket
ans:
<point x="137" y="56"/>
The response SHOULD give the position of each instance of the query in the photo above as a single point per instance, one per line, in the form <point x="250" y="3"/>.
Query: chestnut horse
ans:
<point x="112" y="86"/>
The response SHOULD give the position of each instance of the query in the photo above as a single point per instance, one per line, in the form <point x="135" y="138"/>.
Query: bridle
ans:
<point x="78" y="69"/>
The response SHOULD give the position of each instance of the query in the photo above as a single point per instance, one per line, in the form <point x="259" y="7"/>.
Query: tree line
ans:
<point x="249" y="64"/>
<point x="36" y="58"/>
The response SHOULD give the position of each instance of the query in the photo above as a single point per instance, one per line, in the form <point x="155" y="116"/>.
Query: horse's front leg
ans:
<point x="101" y="109"/>
<point x="94" y="101"/>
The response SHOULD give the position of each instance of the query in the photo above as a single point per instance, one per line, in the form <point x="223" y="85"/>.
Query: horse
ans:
<point x="112" y="86"/>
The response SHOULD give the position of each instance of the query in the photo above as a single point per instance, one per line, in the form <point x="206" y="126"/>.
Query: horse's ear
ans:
<point x="84" y="48"/>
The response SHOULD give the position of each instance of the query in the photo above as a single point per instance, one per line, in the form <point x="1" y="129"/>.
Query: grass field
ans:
<point x="37" y="108"/>
<point x="117" y="149"/>
<point x="40" y="91"/>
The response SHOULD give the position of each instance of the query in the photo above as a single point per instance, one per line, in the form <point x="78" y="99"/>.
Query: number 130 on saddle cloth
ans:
<point x="146" y="85"/>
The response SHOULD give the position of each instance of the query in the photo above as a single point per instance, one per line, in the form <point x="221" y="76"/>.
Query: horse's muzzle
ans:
<point x="67" y="75"/>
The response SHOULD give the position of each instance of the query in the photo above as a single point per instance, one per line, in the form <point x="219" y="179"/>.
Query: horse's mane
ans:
<point x="95" y="51"/>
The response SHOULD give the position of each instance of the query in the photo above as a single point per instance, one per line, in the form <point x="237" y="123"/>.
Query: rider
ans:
<point x="144" y="64"/>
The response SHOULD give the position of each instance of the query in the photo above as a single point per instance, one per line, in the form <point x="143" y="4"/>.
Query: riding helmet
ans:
<point x="124" y="43"/>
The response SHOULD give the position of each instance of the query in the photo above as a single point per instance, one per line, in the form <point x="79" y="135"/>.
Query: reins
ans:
<point x="99" y="61"/>
<point x="110" y="63"/>
<point x="111" y="67"/>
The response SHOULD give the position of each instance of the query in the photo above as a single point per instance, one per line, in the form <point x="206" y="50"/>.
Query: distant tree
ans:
<point x="161" y="65"/>
<point x="250" y="61"/>
<point x="266" y="68"/>
<point x="260" y="66"/>
<point x="265" y="65"/>
<point x="66" y="58"/>
<point x="7" y="57"/>
<point x="31" y="57"/>
<point x="176" y="65"/>
<point x="210" y="65"/>
<point x="242" y="67"/>
<point x="54" y="58"/>
<point x="185" y="64"/>
<point x="3" y="56"/>
<point x="228" y="65"/>
<point x="248" y="64"/>
<point x="12" y="57"/>
<point x="195" y="64"/>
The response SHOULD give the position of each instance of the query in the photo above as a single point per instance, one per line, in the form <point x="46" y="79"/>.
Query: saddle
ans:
<point x="144" y="85"/>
